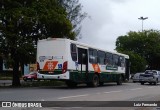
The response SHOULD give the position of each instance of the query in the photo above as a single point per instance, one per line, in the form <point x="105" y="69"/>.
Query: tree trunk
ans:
<point x="16" y="80"/>
<point x="22" y="68"/>
<point x="1" y="64"/>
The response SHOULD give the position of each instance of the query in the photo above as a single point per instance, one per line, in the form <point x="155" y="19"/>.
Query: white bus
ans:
<point x="75" y="63"/>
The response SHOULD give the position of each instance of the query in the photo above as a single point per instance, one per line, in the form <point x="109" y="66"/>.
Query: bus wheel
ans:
<point x="95" y="81"/>
<point x="71" y="84"/>
<point x="119" y="82"/>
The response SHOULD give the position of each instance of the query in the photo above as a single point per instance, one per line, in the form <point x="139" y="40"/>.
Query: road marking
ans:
<point x="135" y="89"/>
<point x="100" y="93"/>
<point x="73" y="96"/>
<point x="112" y="91"/>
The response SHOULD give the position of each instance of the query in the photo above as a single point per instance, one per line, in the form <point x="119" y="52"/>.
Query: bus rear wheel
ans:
<point x="95" y="80"/>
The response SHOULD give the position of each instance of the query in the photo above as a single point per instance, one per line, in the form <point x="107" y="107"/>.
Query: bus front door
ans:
<point x="83" y="63"/>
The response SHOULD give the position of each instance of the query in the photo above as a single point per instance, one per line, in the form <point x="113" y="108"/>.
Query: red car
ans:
<point x="31" y="76"/>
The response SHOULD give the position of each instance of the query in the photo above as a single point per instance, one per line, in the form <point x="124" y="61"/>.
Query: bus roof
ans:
<point x="84" y="45"/>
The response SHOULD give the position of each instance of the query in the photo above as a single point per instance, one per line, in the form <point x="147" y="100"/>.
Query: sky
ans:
<point x="109" y="19"/>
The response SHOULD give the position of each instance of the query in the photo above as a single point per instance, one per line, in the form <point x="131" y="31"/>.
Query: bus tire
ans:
<point x="95" y="80"/>
<point x="71" y="84"/>
<point x="119" y="82"/>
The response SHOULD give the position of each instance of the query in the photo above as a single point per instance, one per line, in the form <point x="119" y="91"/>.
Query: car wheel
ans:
<point x="155" y="83"/>
<point x="32" y="79"/>
<point x="24" y="79"/>
<point x="142" y="83"/>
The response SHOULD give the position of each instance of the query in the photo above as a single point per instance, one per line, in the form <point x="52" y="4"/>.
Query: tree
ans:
<point x="74" y="13"/>
<point x="138" y="63"/>
<point x="145" y="44"/>
<point x="23" y="22"/>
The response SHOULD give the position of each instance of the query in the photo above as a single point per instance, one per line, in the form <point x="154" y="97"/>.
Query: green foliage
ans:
<point x="145" y="44"/>
<point x="138" y="63"/>
<point x="23" y="22"/>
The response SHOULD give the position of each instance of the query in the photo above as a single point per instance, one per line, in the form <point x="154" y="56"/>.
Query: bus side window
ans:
<point x="93" y="56"/>
<point x="73" y="52"/>
<point x="109" y="59"/>
<point x="121" y="61"/>
<point x="115" y="59"/>
<point x="101" y="57"/>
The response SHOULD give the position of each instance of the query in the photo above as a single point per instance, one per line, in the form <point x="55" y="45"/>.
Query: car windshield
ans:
<point x="150" y="72"/>
<point x="138" y="74"/>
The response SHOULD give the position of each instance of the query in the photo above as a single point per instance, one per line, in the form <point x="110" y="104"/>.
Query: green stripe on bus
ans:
<point x="83" y="77"/>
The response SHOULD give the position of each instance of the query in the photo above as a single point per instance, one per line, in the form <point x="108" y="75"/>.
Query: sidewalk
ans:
<point x="5" y="83"/>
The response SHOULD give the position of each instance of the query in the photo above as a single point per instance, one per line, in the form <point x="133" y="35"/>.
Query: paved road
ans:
<point x="108" y="92"/>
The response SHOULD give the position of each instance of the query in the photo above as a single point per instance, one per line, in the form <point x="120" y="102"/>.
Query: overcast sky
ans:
<point x="112" y="18"/>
